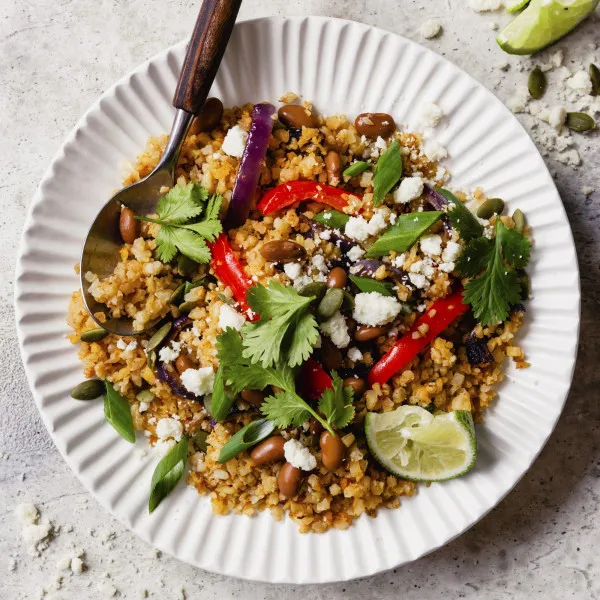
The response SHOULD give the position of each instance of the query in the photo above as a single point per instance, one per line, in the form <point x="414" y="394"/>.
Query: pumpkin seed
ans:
<point x="519" y="219"/>
<point x="93" y="335"/>
<point x="595" y="77"/>
<point x="579" y="122"/>
<point x="158" y="337"/>
<point x="316" y="288"/>
<point x="348" y="302"/>
<point x="491" y="207"/>
<point x="88" y="390"/>
<point x="185" y="265"/>
<point x="177" y="294"/>
<point x="186" y="307"/>
<point x="226" y="299"/>
<point x="151" y="359"/>
<point x="200" y="440"/>
<point x="537" y="83"/>
<point x="330" y="304"/>
<point x="145" y="396"/>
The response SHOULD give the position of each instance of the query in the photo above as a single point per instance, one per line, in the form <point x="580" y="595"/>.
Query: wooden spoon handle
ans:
<point x="204" y="53"/>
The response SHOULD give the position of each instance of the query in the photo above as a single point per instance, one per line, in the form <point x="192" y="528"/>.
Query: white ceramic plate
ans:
<point x="343" y="67"/>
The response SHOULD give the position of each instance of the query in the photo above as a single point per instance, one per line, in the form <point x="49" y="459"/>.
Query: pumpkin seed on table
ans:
<point x="595" y="77"/>
<point x="519" y="219"/>
<point x="331" y="303"/>
<point x="580" y="122"/>
<point x="158" y="337"/>
<point x="537" y="83"/>
<point x="93" y="335"/>
<point x="88" y="390"/>
<point x="491" y="207"/>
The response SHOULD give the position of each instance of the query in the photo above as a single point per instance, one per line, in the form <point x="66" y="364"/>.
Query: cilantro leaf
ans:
<point x="387" y="172"/>
<point x="492" y="292"/>
<point x="336" y="403"/>
<point x="182" y="202"/>
<point x="190" y="244"/>
<point x="209" y="230"/>
<point x="213" y="207"/>
<point x="165" y="245"/>
<point x="285" y="330"/>
<point x="285" y="409"/>
<point x="463" y="220"/>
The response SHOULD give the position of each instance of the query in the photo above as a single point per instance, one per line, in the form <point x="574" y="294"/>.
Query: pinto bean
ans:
<point x="333" y="166"/>
<point x="332" y="450"/>
<point x="128" y="226"/>
<point x="288" y="480"/>
<point x="357" y="384"/>
<point x="296" y="116"/>
<point x="268" y="451"/>
<point x="337" y="278"/>
<point x="366" y="333"/>
<point x="282" y="251"/>
<point x="254" y="397"/>
<point x="374" y="125"/>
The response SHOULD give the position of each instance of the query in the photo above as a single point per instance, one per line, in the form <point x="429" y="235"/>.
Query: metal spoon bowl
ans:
<point x="100" y="253"/>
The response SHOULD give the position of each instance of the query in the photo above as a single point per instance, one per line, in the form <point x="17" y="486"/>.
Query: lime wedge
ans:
<point x="413" y="444"/>
<point x="513" y="6"/>
<point x="542" y="23"/>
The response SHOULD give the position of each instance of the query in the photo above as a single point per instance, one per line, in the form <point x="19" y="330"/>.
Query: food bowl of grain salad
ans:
<point x="329" y="317"/>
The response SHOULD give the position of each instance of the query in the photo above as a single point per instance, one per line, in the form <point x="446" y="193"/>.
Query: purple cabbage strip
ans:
<point x="164" y="373"/>
<point x="251" y="164"/>
<point x="439" y="203"/>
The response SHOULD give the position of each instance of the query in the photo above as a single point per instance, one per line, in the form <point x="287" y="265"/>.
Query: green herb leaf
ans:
<point x="222" y="398"/>
<point x="285" y="409"/>
<point x="368" y="284"/>
<point x="167" y="473"/>
<point x="356" y="168"/>
<point x="181" y="203"/>
<point x="463" y="220"/>
<point x="332" y="218"/>
<point x="165" y="245"/>
<point x="407" y="229"/>
<point x="118" y="413"/>
<point x="190" y="244"/>
<point x="245" y="438"/>
<point x="336" y="403"/>
<point x="492" y="292"/>
<point x="387" y="172"/>
<point x="285" y="331"/>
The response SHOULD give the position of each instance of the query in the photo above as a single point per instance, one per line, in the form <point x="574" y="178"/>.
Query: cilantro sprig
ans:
<point x="336" y="403"/>
<point x="285" y="408"/>
<point x="463" y="220"/>
<point x="188" y="218"/>
<point x="286" y="331"/>
<point x="492" y="266"/>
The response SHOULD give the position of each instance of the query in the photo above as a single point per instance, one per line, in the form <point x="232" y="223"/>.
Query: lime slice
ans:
<point x="542" y="23"/>
<point x="513" y="6"/>
<point x="413" y="444"/>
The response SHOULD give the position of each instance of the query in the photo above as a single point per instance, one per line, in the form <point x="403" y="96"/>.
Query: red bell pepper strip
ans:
<point x="230" y="271"/>
<point x="438" y="317"/>
<point x="286" y="194"/>
<point x="313" y="380"/>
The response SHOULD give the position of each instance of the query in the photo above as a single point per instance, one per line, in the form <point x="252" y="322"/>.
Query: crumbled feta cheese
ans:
<point x="485" y="5"/>
<point x="359" y="229"/>
<point x="229" y="317"/>
<point x="292" y="270"/>
<point x="301" y="281"/>
<point x="168" y="428"/>
<point x="318" y="262"/>
<point x="556" y="59"/>
<point x="143" y="407"/>
<point x="325" y="235"/>
<point x="234" y="142"/>
<point x="418" y="280"/>
<point x="580" y="83"/>
<point x="518" y="102"/>
<point x="197" y="462"/>
<point x="434" y="151"/>
<point x="398" y="261"/>
<point x="198" y="381"/>
<point x="424" y="266"/>
<point x="299" y="456"/>
<point x="430" y="29"/>
<point x="447" y="267"/>
<point x="170" y="353"/>
<point x="586" y="190"/>
<point x="337" y="330"/>
<point x="372" y="308"/>
<point x="451" y="252"/>
<point x="570" y="157"/>
<point x="431" y="114"/>
<point x="121" y="345"/>
<point x="410" y="189"/>
<point x="327" y="216"/>
<point x="557" y="116"/>
<point x="163" y="447"/>
<point x="431" y="244"/>
<point x="380" y="143"/>
<point x="355" y="253"/>
<point x="36" y="532"/>
<point x="355" y="354"/>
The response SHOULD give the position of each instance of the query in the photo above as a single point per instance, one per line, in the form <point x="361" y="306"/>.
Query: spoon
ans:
<point x="101" y="249"/>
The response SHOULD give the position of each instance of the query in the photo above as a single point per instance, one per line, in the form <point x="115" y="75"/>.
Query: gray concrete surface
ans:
<point x="56" y="57"/>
